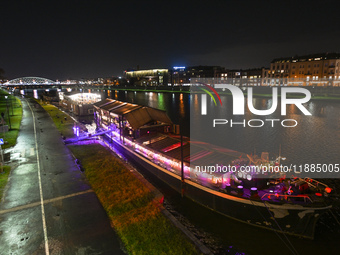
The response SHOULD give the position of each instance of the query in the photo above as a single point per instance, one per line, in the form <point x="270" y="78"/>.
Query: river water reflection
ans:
<point x="316" y="138"/>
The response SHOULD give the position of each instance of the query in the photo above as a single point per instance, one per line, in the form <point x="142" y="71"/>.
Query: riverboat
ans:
<point x="287" y="205"/>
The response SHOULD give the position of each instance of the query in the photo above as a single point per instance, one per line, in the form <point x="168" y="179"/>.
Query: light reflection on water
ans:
<point x="314" y="140"/>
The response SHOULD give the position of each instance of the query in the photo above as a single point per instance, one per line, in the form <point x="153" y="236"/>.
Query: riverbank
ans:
<point x="135" y="215"/>
<point x="128" y="202"/>
<point x="14" y="108"/>
<point x="3" y="179"/>
<point x="63" y="122"/>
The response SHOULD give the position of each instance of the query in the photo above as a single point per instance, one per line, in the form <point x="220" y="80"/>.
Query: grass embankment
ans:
<point x="129" y="204"/>
<point x="127" y="201"/>
<point x="3" y="179"/>
<point x="14" y="104"/>
<point x="63" y="122"/>
<point x="10" y="137"/>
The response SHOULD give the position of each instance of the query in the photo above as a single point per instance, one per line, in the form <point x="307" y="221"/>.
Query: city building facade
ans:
<point x="151" y="77"/>
<point x="181" y="76"/>
<point x="239" y="77"/>
<point x="310" y="70"/>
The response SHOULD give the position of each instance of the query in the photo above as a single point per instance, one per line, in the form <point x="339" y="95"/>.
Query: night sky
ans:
<point x="88" y="39"/>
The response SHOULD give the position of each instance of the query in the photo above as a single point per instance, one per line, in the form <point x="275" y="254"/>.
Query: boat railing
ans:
<point x="314" y="183"/>
<point x="271" y="196"/>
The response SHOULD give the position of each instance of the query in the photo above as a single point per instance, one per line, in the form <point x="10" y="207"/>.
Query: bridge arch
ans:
<point x="30" y="81"/>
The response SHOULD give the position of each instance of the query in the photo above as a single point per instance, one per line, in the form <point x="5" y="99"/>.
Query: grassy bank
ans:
<point x="14" y="107"/>
<point x="15" y="114"/>
<point x="3" y="179"/>
<point x="129" y="204"/>
<point x="63" y="122"/>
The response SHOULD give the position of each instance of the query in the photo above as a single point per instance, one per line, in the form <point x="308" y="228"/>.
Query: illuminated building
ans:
<point x="151" y="77"/>
<point x="239" y="77"/>
<point x="181" y="76"/>
<point x="310" y="70"/>
<point x="79" y="104"/>
<point x="132" y="120"/>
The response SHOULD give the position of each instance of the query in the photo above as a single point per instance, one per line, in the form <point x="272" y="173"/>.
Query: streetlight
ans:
<point x="9" y="118"/>
<point x="10" y="100"/>
<point x="2" y="156"/>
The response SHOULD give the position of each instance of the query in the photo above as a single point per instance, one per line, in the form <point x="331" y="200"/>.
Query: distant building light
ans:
<point x="85" y="98"/>
<point x="178" y="67"/>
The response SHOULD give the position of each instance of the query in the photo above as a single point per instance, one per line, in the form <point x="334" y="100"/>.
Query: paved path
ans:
<point x="48" y="207"/>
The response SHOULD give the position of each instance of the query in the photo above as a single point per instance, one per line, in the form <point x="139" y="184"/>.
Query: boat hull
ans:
<point x="287" y="218"/>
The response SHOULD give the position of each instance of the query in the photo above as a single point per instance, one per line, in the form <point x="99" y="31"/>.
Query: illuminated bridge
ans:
<point x="26" y="81"/>
<point x="30" y="83"/>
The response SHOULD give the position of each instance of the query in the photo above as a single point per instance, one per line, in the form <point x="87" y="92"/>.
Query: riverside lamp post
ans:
<point x="10" y="100"/>
<point x="9" y="118"/>
<point x="2" y="156"/>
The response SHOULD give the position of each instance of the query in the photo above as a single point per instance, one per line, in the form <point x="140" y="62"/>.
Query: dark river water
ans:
<point x="316" y="138"/>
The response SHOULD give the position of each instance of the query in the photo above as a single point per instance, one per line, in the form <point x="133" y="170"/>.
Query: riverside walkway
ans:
<point x="48" y="206"/>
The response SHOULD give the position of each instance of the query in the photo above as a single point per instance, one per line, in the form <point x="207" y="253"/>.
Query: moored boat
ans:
<point x="287" y="205"/>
